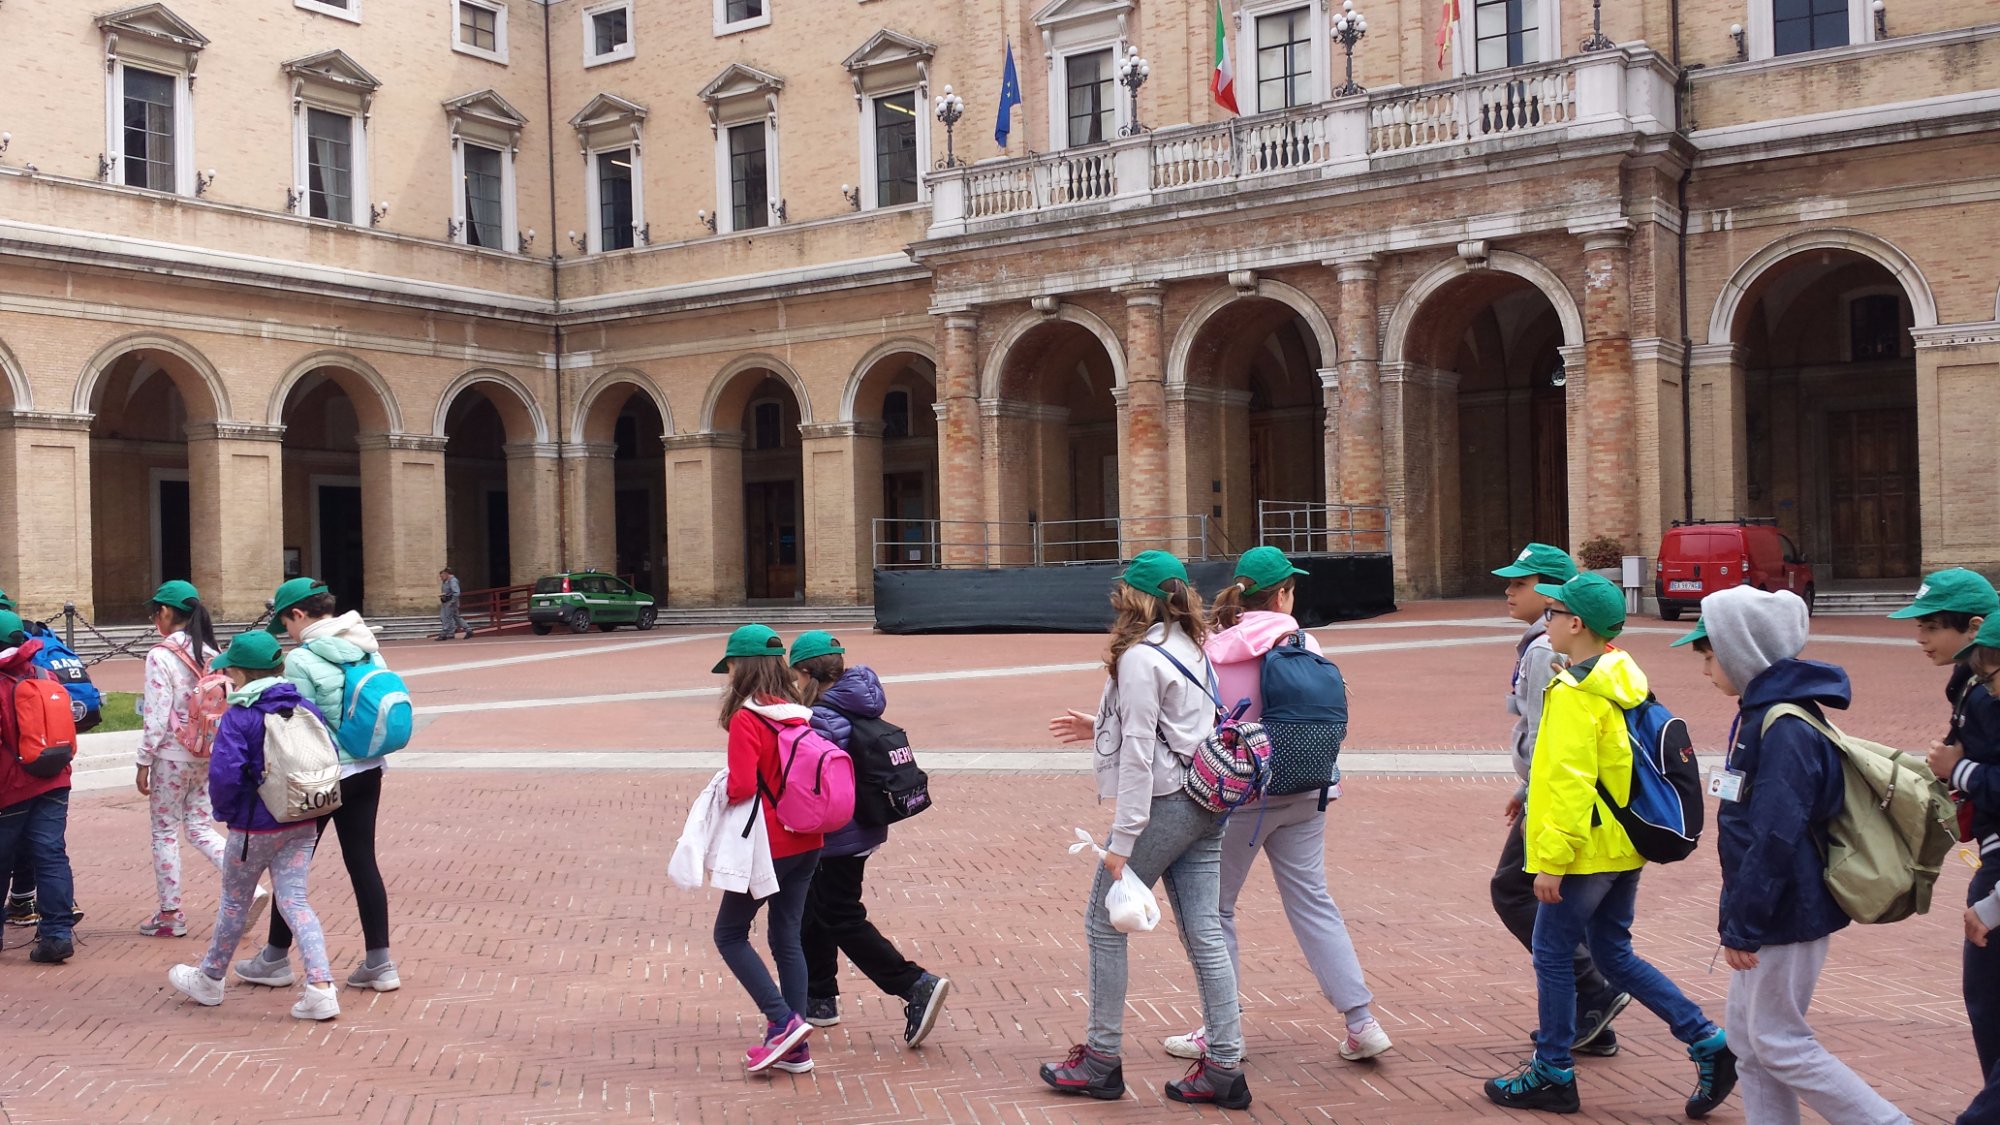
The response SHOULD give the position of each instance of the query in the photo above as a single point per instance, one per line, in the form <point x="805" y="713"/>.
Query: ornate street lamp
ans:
<point x="1132" y="74"/>
<point x="950" y="107"/>
<point x="1598" y="41"/>
<point x="1349" y="27"/>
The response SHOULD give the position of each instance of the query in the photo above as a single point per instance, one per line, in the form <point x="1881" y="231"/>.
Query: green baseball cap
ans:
<point x="815" y="643"/>
<point x="1957" y="590"/>
<point x="1595" y="601"/>
<point x="1540" y="559"/>
<point x="252" y="652"/>
<point x="1698" y="633"/>
<point x="291" y="593"/>
<point x="750" y="640"/>
<point x="1987" y="637"/>
<point x="1152" y="570"/>
<point x="178" y="594"/>
<point x="12" y="630"/>
<point x="1265" y="567"/>
<point x="6" y="602"/>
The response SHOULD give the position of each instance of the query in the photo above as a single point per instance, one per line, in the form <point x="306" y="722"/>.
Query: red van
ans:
<point x="1699" y="557"/>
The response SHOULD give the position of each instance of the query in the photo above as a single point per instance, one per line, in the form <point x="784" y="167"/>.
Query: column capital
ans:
<point x="957" y="316"/>
<point x="1615" y="234"/>
<point x="233" y="431"/>
<point x="721" y="439"/>
<point x="417" y="443"/>
<point x="1329" y="378"/>
<point x="1360" y="267"/>
<point x="584" y="449"/>
<point x="1656" y="349"/>
<point x="45" y="420"/>
<point x="1203" y="393"/>
<point x="1141" y="293"/>
<point x="1716" y="355"/>
<point x="1033" y="411"/>
<point x="539" y="450"/>
<point x="824" y="431"/>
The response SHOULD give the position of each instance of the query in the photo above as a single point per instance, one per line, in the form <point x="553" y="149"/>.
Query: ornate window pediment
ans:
<point x="741" y="92"/>
<point x="608" y="118"/>
<point x="333" y="77"/>
<point x="1060" y="13"/>
<point x="890" y="60"/>
<point x="150" y="33"/>
<point x="486" y="116"/>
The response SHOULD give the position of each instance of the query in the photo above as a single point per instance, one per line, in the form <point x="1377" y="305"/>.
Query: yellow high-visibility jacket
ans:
<point x="1583" y="740"/>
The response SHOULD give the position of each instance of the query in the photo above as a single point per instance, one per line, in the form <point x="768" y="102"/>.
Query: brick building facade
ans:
<point x="364" y="288"/>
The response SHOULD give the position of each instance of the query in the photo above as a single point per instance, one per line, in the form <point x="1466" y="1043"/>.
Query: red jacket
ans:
<point x="753" y="756"/>
<point x="16" y="784"/>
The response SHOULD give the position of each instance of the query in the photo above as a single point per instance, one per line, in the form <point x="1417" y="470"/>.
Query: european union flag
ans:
<point x="1010" y="96"/>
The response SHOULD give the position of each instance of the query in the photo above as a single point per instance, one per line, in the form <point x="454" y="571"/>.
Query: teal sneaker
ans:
<point x="1536" y="1085"/>
<point x="1714" y="1074"/>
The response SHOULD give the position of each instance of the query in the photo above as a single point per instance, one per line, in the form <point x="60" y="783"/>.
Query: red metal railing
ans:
<point x="503" y="607"/>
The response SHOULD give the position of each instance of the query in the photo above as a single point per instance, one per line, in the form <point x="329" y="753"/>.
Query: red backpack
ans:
<point x="195" y="733"/>
<point x="44" y="727"/>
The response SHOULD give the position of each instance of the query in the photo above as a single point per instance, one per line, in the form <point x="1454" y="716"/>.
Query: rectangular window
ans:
<point x="1807" y="25"/>
<point x="896" y="149"/>
<point x="482" y="197"/>
<point x="1876" y="331"/>
<point x="330" y="165"/>
<point x="737" y="11"/>
<point x="1506" y="33"/>
<point x="610" y="30"/>
<point x="149" y="130"/>
<point x="614" y="200"/>
<point x="1284" y="59"/>
<point x="749" y="193"/>
<point x="478" y="27"/>
<point x="1092" y="113"/>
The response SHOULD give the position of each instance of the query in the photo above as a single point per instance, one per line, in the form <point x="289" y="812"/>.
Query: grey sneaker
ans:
<point x="271" y="974"/>
<point x="921" y="1007"/>
<point x="1208" y="1083"/>
<point x="381" y="978"/>
<point x="823" y="1012"/>
<point x="1086" y="1072"/>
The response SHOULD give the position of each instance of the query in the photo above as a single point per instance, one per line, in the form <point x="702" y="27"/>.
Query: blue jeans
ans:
<point x="778" y="1001"/>
<point x="1596" y="911"/>
<point x="36" y="827"/>
<point x="1982" y="1005"/>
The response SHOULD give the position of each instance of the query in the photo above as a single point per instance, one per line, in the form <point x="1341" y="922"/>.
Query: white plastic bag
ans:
<point x="1130" y="903"/>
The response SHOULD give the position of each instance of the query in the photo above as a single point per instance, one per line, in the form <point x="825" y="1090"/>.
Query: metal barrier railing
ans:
<point x="502" y="607"/>
<point x="1304" y="528"/>
<point x="905" y="544"/>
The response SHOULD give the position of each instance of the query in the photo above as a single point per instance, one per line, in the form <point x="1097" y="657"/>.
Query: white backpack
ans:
<point x="301" y="767"/>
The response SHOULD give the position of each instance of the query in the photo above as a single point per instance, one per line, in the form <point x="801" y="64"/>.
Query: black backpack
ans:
<point x="888" y="786"/>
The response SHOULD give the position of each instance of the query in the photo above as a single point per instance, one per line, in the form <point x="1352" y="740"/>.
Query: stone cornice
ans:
<point x="580" y="450"/>
<point x="722" y="439"/>
<point x="234" y="431"/>
<point x="1716" y="355"/>
<point x="416" y="443"/>
<point x="1655" y="349"/>
<point x="1957" y="335"/>
<point x="1034" y="411"/>
<point x="827" y="431"/>
<point x="539" y="450"/>
<point x="1204" y="393"/>
<point x="44" y="420"/>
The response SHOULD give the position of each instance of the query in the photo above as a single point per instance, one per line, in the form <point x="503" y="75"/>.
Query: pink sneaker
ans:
<point x="165" y="925"/>
<point x="778" y="1042"/>
<point x="799" y="1061"/>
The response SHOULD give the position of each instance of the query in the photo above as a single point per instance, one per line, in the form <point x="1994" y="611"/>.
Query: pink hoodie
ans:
<point x="1238" y="655"/>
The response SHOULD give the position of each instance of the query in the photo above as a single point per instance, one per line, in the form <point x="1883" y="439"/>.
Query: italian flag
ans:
<point x="1223" y="83"/>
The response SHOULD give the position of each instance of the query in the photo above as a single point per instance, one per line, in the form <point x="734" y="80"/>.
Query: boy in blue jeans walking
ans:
<point x="1586" y="869"/>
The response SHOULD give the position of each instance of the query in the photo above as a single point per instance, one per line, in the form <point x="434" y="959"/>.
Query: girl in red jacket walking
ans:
<point x="760" y="700"/>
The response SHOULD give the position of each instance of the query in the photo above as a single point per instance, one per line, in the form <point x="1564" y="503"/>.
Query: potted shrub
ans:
<point x="1604" y="555"/>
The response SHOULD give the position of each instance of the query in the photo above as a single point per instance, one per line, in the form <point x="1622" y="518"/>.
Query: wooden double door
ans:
<point x="773" y="549"/>
<point x="1872" y="491"/>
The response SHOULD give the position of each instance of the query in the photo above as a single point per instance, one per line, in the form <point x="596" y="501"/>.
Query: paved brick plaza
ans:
<point x="552" y="973"/>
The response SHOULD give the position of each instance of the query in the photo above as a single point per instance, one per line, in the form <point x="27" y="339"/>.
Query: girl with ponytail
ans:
<point x="174" y="783"/>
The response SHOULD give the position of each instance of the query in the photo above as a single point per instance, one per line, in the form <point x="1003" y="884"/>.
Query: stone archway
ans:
<point x="499" y="481"/>
<point x="889" y="432"/>
<point x="617" y="478"/>
<point x="1051" y="440"/>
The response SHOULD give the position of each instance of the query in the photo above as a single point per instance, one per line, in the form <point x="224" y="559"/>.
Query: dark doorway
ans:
<point x="340" y="560"/>
<point x="499" y="558"/>
<point x="176" y="534"/>
<point x="771" y="530"/>
<point x="1872" y="479"/>
<point x="1549" y="431"/>
<point x="634" y="518"/>
<point x="906" y="507"/>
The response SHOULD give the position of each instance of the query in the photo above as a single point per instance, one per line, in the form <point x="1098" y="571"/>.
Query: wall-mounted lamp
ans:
<point x="453" y="228"/>
<point x="527" y="239"/>
<point x="202" y="180"/>
<point x="295" y="198"/>
<point x="377" y="212"/>
<point x="853" y="196"/>
<point x="706" y="220"/>
<point x="1736" y="36"/>
<point x="644" y="233"/>
<point x="103" y="168"/>
<point x="5" y="140"/>
<point x="778" y="210"/>
<point x="582" y="244"/>
<point x="1881" y="11"/>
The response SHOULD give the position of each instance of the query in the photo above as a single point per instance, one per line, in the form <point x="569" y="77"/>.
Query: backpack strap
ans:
<point x="185" y="656"/>
<point x="1209" y="686"/>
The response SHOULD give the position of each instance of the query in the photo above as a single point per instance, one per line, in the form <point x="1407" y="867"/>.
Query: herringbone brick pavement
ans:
<point x="553" y="974"/>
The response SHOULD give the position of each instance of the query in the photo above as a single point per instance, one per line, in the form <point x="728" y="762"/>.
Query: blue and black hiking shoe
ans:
<point x="1715" y="1074"/>
<point x="1536" y="1085"/>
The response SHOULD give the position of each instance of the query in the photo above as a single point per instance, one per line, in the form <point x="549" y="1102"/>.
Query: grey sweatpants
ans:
<point x="1293" y="834"/>
<point x="452" y="620"/>
<point x="1778" y="1061"/>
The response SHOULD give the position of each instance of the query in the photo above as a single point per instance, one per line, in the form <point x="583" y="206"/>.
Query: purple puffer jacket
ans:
<point x="858" y="692"/>
<point x="237" y="764"/>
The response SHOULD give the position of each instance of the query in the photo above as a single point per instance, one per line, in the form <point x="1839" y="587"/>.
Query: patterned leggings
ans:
<point x="287" y="854"/>
<point x="179" y="800"/>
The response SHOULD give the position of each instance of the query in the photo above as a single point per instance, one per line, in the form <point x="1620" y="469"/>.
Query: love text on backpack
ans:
<point x="1664" y="813"/>
<point x="44" y="726"/>
<point x="1305" y="717"/>
<point x="815" y="791"/>
<point x="888" y="785"/>
<point x="301" y="767"/>
<point x="376" y="717"/>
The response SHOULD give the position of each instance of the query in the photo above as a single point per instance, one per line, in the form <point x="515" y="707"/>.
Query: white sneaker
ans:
<point x="1365" y="1043"/>
<point x="1193" y="1045"/>
<point x="271" y="974"/>
<point x="196" y="985"/>
<point x="316" y="1002"/>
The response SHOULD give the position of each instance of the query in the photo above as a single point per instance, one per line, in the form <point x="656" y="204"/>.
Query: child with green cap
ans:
<point x="1512" y="888"/>
<point x="1156" y="709"/>
<point x="1253" y="615"/>
<point x="759" y="700"/>
<point x="836" y="919"/>
<point x="173" y="781"/>
<point x="1585" y="866"/>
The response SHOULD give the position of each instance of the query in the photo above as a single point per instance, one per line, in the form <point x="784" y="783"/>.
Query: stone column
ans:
<point x="705" y="519"/>
<point x="235" y="503"/>
<point x="1354" y="411"/>
<point x="961" y="477"/>
<point x="1611" y="403"/>
<point x="1142" y="432"/>
<point x="590" y="484"/>
<point x="45" y="510"/>
<point x="402" y="522"/>
<point x="1719" y="416"/>
<point x="532" y="481"/>
<point x="843" y="498"/>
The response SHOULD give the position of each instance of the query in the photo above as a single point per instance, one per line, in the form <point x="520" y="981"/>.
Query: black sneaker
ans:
<point x="1602" y="1047"/>
<point x="823" y="1013"/>
<point x="1206" y="1083"/>
<point x="1595" y="1013"/>
<point x="54" y="951"/>
<point x="21" y="910"/>
<point x="1088" y="1073"/>
<point x="922" y="1007"/>
<point x="1536" y="1085"/>
<point x="1714" y="1074"/>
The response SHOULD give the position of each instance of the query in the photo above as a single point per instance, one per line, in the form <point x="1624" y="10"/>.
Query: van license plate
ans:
<point x="1693" y="587"/>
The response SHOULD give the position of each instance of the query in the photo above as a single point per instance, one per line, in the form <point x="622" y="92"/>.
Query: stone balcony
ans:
<point x="1610" y="93"/>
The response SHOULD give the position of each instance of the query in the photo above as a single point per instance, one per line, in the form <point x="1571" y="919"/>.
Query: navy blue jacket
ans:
<point x="1976" y="727"/>
<point x="857" y="692"/>
<point x="1773" y="872"/>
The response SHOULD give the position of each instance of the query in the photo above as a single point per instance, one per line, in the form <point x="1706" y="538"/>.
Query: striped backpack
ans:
<point x="1231" y="767"/>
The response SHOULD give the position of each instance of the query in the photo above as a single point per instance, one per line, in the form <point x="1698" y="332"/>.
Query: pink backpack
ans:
<point x="205" y="704"/>
<point x="815" y="783"/>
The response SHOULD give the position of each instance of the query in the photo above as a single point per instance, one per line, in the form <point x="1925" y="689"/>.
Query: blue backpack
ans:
<point x="1665" y="814"/>
<point x="1305" y="717"/>
<point x="376" y="717"/>
<point x="68" y="669"/>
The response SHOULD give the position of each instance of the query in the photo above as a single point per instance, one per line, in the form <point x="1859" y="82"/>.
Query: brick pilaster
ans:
<point x="402" y="522"/>
<point x="961" y="478"/>
<point x="1142" y="453"/>
<point x="1354" y="411"/>
<point x="1610" y="400"/>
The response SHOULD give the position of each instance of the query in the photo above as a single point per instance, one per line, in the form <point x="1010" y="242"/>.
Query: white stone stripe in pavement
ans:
<point x="557" y="654"/>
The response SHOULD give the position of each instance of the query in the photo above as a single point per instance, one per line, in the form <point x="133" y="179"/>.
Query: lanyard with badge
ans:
<point x="1724" y="783"/>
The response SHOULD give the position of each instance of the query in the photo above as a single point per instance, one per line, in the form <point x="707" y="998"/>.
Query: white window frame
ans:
<point x="619" y="53"/>
<point x="870" y="188"/>
<point x="725" y="195"/>
<point x="1465" y="42"/>
<point x="359" y="196"/>
<point x="1246" y="50"/>
<point x="724" y="27"/>
<point x="510" y="231"/>
<point x="1761" y="34"/>
<point x="114" y="122"/>
<point x="1059" y="88"/>
<point x="351" y="13"/>
<point x="594" y="233"/>
<point x="499" y="9"/>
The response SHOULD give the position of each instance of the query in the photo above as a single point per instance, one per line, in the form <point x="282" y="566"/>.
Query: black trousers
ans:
<point x="354" y="823"/>
<point x="1514" y="901"/>
<point x="1982" y="1004"/>
<point x="837" y="922"/>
